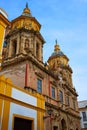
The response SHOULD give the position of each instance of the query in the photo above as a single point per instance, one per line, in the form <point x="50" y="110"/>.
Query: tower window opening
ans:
<point x="14" y="47"/>
<point x="37" y="50"/>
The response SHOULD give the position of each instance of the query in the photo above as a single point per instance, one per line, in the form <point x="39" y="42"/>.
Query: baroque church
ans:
<point x="23" y="64"/>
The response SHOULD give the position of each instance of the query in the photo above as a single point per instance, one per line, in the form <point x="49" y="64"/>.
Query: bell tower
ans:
<point x="58" y="63"/>
<point x="24" y="38"/>
<point x="57" y="59"/>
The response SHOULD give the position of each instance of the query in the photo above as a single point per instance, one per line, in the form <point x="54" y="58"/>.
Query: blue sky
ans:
<point x="66" y="21"/>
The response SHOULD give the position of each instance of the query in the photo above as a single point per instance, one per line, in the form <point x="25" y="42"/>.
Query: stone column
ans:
<point x="10" y="49"/>
<point x="21" y="46"/>
<point x="40" y="52"/>
<point x="34" y="47"/>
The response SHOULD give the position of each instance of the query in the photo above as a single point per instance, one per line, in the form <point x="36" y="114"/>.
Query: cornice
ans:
<point x="21" y="30"/>
<point x="4" y="19"/>
<point x="24" y="57"/>
<point x="60" y="109"/>
<point x="26" y="17"/>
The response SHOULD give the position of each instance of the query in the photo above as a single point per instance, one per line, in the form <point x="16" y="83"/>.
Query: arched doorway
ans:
<point x="63" y="124"/>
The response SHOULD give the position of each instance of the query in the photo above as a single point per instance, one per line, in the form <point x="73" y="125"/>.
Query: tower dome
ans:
<point x="57" y="50"/>
<point x="26" y="20"/>
<point x="57" y="58"/>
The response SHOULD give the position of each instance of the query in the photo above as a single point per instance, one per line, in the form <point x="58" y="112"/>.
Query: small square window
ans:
<point x="84" y="116"/>
<point x="39" y="85"/>
<point x="53" y="92"/>
<point x="85" y="125"/>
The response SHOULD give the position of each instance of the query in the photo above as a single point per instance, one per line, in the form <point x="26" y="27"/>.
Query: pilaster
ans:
<point x="18" y="44"/>
<point x="10" y="48"/>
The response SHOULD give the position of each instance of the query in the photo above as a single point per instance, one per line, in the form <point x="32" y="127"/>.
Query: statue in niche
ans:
<point x="26" y="43"/>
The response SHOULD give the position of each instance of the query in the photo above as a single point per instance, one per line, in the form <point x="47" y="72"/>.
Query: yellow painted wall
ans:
<point x="2" y="27"/>
<point x="2" y="32"/>
<point x="25" y="23"/>
<point x="3" y="24"/>
<point x="6" y="87"/>
<point x="40" y="115"/>
<point x="5" y="91"/>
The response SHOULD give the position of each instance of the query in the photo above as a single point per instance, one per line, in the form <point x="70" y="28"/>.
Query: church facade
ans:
<point x="23" y="64"/>
<point x="19" y="109"/>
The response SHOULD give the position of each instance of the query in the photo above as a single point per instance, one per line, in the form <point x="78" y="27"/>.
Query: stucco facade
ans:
<point x="16" y="103"/>
<point x="18" y="109"/>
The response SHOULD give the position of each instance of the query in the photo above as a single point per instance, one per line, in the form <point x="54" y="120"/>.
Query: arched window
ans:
<point x="14" y="47"/>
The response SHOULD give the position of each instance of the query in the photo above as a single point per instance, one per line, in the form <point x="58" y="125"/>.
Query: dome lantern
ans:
<point x="26" y="11"/>
<point x="56" y="47"/>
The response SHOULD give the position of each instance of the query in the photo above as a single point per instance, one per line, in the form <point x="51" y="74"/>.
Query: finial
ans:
<point x="26" y="11"/>
<point x="26" y="4"/>
<point x="56" y="47"/>
<point x="56" y="41"/>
